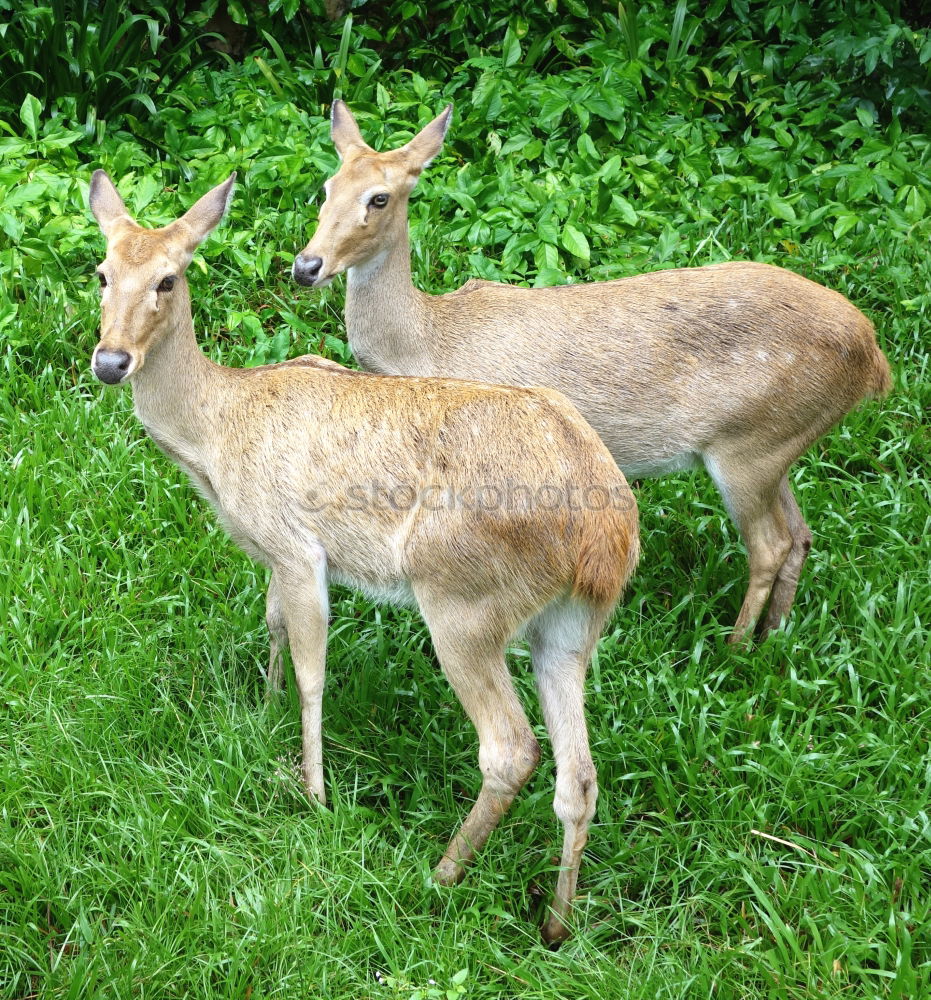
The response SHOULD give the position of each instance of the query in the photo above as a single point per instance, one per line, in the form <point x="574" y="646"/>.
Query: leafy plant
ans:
<point x="100" y="58"/>
<point x="762" y="828"/>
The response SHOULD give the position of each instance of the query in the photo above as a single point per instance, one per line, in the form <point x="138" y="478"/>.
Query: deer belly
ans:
<point x="381" y="590"/>
<point x="654" y="466"/>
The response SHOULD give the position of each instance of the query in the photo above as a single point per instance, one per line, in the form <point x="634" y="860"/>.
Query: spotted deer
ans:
<point x="494" y="510"/>
<point x="737" y="367"/>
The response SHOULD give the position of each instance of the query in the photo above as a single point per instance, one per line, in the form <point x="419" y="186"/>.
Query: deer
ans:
<point x="737" y="367"/>
<point x="497" y="511"/>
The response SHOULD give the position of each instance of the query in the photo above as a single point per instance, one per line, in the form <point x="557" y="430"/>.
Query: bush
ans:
<point x="96" y="59"/>
<point x="763" y="827"/>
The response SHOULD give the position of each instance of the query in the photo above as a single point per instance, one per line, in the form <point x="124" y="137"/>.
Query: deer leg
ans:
<point x="769" y="542"/>
<point x="278" y="637"/>
<point x="304" y="604"/>
<point x="755" y="506"/>
<point x="561" y="643"/>
<point x="780" y="602"/>
<point x="473" y="661"/>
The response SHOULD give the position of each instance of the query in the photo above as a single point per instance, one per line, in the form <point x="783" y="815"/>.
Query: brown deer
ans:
<point x="495" y="510"/>
<point x="738" y="367"/>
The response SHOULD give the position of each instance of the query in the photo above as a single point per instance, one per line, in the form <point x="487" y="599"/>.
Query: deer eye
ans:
<point x="102" y="278"/>
<point x="378" y="200"/>
<point x="167" y="284"/>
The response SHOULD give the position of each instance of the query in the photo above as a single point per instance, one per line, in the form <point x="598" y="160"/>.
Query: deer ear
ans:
<point x="205" y="214"/>
<point x="429" y="141"/>
<point x="344" y="131"/>
<point x="106" y="203"/>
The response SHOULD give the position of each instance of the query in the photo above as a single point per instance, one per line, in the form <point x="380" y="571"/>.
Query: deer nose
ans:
<point x="306" y="270"/>
<point x="111" y="366"/>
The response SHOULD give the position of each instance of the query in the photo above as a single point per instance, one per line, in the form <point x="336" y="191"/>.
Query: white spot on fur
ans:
<point x="366" y="271"/>
<point x="561" y="629"/>
<point x="318" y="557"/>
<point x="714" y="470"/>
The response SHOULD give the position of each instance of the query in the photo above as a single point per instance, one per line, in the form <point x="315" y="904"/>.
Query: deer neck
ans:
<point x="178" y="388"/>
<point x="386" y="316"/>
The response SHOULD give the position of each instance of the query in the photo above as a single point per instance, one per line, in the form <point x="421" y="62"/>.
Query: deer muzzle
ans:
<point x="111" y="367"/>
<point x="306" y="270"/>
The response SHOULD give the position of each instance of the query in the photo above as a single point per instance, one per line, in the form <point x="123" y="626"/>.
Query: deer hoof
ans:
<point x="449" y="872"/>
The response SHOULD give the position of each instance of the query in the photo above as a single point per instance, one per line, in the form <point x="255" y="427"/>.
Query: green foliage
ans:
<point x="866" y="51"/>
<point x="95" y="59"/>
<point x="153" y="836"/>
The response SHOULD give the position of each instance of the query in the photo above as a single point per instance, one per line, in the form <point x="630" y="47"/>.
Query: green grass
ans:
<point x="154" y="840"/>
<point x="764" y="823"/>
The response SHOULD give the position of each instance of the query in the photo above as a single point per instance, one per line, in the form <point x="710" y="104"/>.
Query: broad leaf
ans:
<point x="574" y="241"/>
<point x="30" y="113"/>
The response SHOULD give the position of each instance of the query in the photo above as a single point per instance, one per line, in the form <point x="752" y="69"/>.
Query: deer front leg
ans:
<point x="277" y="636"/>
<point x="305" y="604"/>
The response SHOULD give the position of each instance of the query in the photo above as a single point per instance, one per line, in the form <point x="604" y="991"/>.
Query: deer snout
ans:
<point x="306" y="270"/>
<point x="111" y="366"/>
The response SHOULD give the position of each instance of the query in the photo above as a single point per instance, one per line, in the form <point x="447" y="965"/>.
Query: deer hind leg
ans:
<point x="756" y="507"/>
<point x="561" y="642"/>
<point x="471" y="654"/>
<point x="780" y="602"/>
<point x="278" y="636"/>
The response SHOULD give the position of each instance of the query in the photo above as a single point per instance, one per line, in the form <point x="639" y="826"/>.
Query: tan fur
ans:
<point x="736" y="366"/>
<point x="385" y="484"/>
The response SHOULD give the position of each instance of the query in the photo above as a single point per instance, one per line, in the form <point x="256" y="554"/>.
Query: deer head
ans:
<point x="143" y="289"/>
<point x="366" y="199"/>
